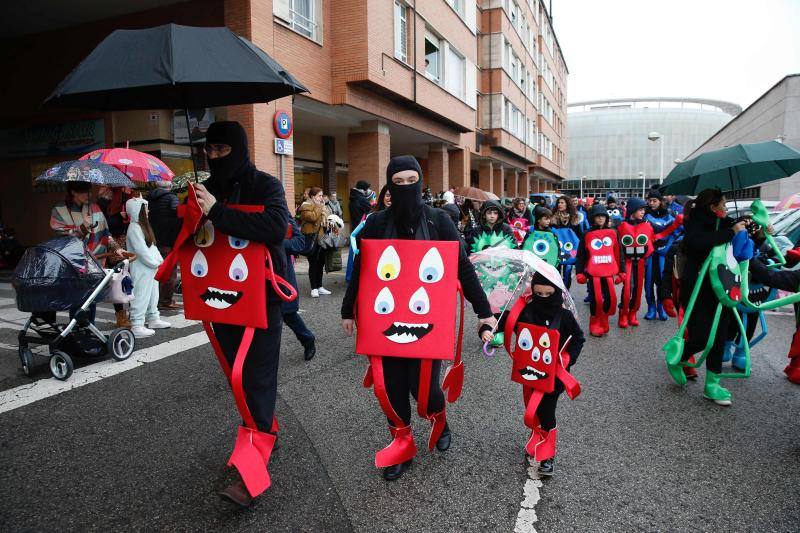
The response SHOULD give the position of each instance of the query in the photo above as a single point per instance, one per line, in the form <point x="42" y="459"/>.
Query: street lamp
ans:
<point x="582" y="178"/>
<point x="641" y="177"/>
<point x="655" y="136"/>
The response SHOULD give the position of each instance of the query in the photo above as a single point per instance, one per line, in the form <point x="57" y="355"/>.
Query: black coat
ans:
<point x="701" y="236"/>
<point x="359" y="206"/>
<point x="254" y="188"/>
<point x="163" y="214"/>
<point x="441" y="228"/>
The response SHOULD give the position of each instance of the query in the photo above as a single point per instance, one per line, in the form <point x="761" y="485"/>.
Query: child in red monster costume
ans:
<point x="230" y="248"/>
<point x="548" y="342"/>
<point x="598" y="262"/>
<point x="405" y="281"/>
<point x="636" y="239"/>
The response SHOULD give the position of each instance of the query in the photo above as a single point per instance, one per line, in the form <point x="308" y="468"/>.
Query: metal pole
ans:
<point x="661" y="175"/>
<point x="641" y="175"/>
<point x="191" y="150"/>
<point x="581" y="197"/>
<point x="281" y="171"/>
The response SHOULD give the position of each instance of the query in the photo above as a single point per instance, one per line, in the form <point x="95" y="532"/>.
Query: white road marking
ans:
<point x="44" y="388"/>
<point x="526" y="518"/>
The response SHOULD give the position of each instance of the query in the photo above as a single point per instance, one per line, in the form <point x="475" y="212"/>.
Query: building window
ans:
<point x="458" y="6"/>
<point x="455" y="73"/>
<point x="303" y="17"/>
<point x="401" y="31"/>
<point x="433" y="57"/>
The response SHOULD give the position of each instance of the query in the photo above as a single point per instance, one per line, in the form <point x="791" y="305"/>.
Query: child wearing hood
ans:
<point x="491" y="222"/>
<point x="142" y="242"/>
<point x="545" y="308"/>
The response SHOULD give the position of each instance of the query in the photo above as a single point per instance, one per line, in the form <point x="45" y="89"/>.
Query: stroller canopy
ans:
<point x="56" y="275"/>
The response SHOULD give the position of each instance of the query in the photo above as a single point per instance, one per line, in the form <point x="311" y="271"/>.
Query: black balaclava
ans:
<point x="225" y="171"/>
<point x="406" y="199"/>
<point x="545" y="308"/>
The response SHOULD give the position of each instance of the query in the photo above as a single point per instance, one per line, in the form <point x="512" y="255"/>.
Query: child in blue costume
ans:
<point x="660" y="218"/>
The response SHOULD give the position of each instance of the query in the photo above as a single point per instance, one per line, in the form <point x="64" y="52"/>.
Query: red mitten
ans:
<point x="619" y="278"/>
<point x="581" y="278"/>
<point x="679" y="219"/>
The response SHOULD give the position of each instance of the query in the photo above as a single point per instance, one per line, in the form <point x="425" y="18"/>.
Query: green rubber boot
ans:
<point x="714" y="391"/>
<point x="498" y="339"/>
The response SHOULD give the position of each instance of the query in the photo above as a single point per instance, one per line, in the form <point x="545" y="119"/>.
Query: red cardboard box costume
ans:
<point x="405" y="308"/>
<point x="599" y="263"/>
<point x="539" y="358"/>
<point x="224" y="281"/>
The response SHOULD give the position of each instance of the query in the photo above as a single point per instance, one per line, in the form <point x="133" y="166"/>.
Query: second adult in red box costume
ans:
<point x="404" y="286"/>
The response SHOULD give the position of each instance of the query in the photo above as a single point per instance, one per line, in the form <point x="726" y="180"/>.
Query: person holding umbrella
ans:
<point x="235" y="180"/>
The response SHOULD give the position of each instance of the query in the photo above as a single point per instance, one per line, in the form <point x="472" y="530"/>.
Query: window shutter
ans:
<point x="471" y="91"/>
<point x="282" y="9"/>
<point x="404" y="32"/>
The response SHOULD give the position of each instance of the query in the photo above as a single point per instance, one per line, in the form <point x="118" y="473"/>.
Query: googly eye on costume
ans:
<point x="199" y="265"/>
<point x="525" y="340"/>
<point x="419" y="303"/>
<point x="431" y="268"/>
<point x="238" y="269"/>
<point x="389" y="264"/>
<point x="384" y="303"/>
<point x="237" y="243"/>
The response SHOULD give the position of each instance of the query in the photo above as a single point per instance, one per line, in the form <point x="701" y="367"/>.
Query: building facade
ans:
<point x="476" y="90"/>
<point x="614" y="147"/>
<point x="774" y="116"/>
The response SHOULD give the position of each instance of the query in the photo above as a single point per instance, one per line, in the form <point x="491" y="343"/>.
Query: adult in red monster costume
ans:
<point x="405" y="282"/>
<point x="232" y="227"/>
<point x="598" y="262"/>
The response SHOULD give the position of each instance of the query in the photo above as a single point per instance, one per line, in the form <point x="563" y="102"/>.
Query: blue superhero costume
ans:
<point x="568" y="243"/>
<point x="661" y="220"/>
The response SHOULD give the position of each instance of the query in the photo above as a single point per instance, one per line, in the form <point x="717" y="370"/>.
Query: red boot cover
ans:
<point x="792" y="370"/>
<point x="595" y="328"/>
<point x="438" y="422"/>
<point x="794" y="349"/>
<point x="401" y="449"/>
<point x="538" y="436"/>
<point x="275" y="427"/>
<point x="669" y="307"/>
<point x="251" y="456"/>
<point x="604" y="323"/>
<point x="546" y="448"/>
<point x="623" y="319"/>
<point x="689" y="372"/>
<point x="632" y="320"/>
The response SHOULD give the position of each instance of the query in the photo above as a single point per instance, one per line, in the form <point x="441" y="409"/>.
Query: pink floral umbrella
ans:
<point x="140" y="167"/>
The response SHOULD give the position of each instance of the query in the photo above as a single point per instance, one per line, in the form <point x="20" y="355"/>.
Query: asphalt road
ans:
<point x="145" y="449"/>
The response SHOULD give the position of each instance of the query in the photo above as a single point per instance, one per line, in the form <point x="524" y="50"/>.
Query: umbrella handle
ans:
<point x="486" y="351"/>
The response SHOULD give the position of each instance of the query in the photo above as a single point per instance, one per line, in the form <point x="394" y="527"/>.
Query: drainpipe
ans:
<point x="414" y="69"/>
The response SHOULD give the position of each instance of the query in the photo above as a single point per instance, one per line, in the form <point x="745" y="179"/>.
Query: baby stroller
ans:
<point x="59" y="275"/>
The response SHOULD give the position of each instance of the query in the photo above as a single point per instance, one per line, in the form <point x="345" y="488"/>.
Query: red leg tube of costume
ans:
<point x="402" y="448"/>
<point x="595" y="320"/>
<point x="792" y="370"/>
<point x="625" y="296"/>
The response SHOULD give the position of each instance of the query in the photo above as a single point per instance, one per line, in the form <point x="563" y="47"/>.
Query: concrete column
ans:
<point x="511" y="183"/>
<point x="485" y="173"/>
<point x="368" y="154"/>
<point x="438" y="177"/>
<point x="524" y="185"/>
<point x="499" y="181"/>
<point x="459" y="167"/>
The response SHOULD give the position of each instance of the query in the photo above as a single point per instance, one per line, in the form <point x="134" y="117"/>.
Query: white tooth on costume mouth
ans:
<point x="629" y="250"/>
<point x="407" y="337"/>
<point x="535" y="375"/>
<point x="602" y="259"/>
<point x="217" y="304"/>
<point x="640" y="249"/>
<point x="229" y="293"/>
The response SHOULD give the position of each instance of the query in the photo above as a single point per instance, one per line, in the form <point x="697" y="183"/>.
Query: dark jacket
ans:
<point x="441" y="228"/>
<point x="293" y="246"/>
<point x="358" y="207"/>
<point x="254" y="188"/>
<point x="498" y="227"/>
<point x="702" y="234"/>
<point x="163" y="214"/>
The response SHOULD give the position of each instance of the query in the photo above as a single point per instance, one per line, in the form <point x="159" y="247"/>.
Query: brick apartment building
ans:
<point x="475" y="89"/>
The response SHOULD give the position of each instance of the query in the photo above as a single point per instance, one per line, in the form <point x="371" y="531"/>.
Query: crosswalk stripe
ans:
<point x="44" y="388"/>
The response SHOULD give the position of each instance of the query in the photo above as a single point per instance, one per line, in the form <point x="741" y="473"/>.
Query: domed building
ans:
<point x="624" y="146"/>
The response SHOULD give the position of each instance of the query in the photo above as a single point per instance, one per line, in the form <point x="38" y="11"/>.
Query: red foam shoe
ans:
<point x="632" y="320"/>
<point x="792" y="370"/>
<point x="623" y="320"/>
<point x="669" y="307"/>
<point x="400" y="450"/>
<point x="595" y="327"/>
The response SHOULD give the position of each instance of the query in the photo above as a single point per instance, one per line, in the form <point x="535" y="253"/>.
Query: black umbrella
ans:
<point x="87" y="171"/>
<point x="173" y="67"/>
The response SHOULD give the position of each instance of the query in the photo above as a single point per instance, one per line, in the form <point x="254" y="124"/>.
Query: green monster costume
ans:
<point x="544" y="245"/>
<point x="729" y="281"/>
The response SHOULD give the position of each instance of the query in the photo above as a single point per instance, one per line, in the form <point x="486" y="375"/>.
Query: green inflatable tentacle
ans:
<point x="673" y="349"/>
<point x="765" y="306"/>
<point x="711" y="335"/>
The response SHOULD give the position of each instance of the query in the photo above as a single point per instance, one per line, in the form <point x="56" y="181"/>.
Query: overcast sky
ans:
<point x="732" y="50"/>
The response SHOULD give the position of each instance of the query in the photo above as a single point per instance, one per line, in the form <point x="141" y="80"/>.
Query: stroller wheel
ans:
<point x="61" y="365"/>
<point x="121" y="343"/>
<point x="26" y="357"/>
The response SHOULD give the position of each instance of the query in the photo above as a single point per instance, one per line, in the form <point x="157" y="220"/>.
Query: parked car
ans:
<point x="740" y="208"/>
<point x="549" y="198"/>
